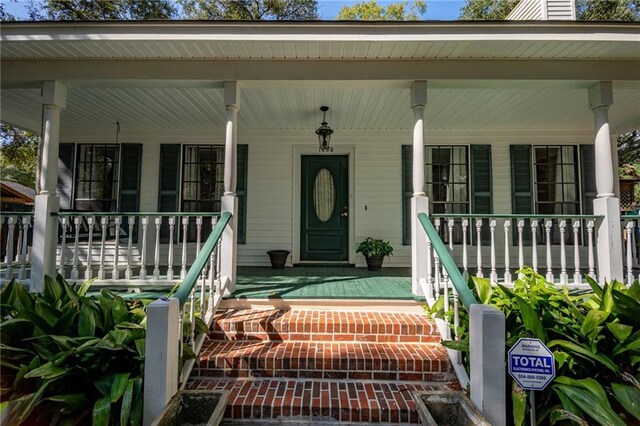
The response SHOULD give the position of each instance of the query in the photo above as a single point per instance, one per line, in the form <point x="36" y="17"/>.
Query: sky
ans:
<point x="445" y="10"/>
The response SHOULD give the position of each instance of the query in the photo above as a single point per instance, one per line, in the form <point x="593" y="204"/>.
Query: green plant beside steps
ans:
<point x="595" y="338"/>
<point x="371" y="247"/>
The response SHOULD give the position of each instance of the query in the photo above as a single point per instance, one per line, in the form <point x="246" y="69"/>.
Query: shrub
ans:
<point x="594" y="335"/>
<point x="370" y="247"/>
<point x="70" y="359"/>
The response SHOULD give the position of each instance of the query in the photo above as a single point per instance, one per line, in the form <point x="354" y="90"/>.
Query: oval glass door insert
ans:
<point x="324" y="194"/>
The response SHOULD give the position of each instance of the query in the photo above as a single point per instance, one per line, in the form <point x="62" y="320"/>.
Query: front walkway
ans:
<point x="321" y="282"/>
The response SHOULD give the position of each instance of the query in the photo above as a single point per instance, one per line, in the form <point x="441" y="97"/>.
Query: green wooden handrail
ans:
<point x="513" y="216"/>
<point x="464" y="294"/>
<point x="81" y="213"/>
<point x="196" y="268"/>
<point x="630" y="216"/>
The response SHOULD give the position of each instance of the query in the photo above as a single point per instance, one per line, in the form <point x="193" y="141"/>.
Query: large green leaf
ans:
<point x="101" y="412"/>
<point x="82" y="291"/>
<point x="24" y="299"/>
<point x="634" y="291"/>
<point x="519" y="400"/>
<point x="593" y="319"/>
<point x="6" y="293"/>
<point x="17" y="327"/>
<point x="74" y="401"/>
<point x="531" y="319"/>
<point x="590" y="397"/>
<point x="628" y="397"/>
<point x="457" y="345"/>
<point x="606" y="303"/>
<point x="136" y="408"/>
<point x="86" y="321"/>
<point x="127" y="400"/>
<point x="119" y="310"/>
<point x="48" y="371"/>
<point x="583" y="352"/>
<point x="53" y="290"/>
<point x="620" y="331"/>
<point x="33" y="400"/>
<point x="594" y="286"/>
<point x="483" y="289"/>
<point x="118" y="386"/>
<point x="65" y="323"/>
<point x="47" y="312"/>
<point x="628" y="307"/>
<point x="632" y="344"/>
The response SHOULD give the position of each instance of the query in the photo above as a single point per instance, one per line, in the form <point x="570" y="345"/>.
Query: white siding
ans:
<point x="561" y="10"/>
<point x="527" y="10"/>
<point x="541" y="10"/>
<point x="378" y="185"/>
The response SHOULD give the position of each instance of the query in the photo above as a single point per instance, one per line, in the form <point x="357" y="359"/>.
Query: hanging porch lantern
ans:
<point x="324" y="132"/>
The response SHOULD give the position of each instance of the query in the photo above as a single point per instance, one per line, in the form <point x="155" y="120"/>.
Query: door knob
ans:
<point x="344" y="212"/>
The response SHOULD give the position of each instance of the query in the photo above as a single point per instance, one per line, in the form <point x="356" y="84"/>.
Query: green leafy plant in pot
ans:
<point x="374" y="251"/>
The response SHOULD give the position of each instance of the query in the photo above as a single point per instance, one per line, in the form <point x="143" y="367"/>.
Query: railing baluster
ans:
<point x="492" y="228"/>
<point x="143" y="268"/>
<point x="547" y="226"/>
<point x="465" y="260"/>
<point x="115" y="274"/>
<point x="104" y="220"/>
<point x="185" y="224"/>
<point x="172" y="223"/>
<point x="564" y="278"/>
<point x="9" y="257"/>
<point x="128" y="273"/>
<point x="507" y="272"/>
<point x="456" y="321"/>
<point x="430" y="282"/>
<point x="90" y="222"/>
<point x="577" y="276"/>
<point x="24" y="235"/>
<point x="479" y="247"/>
<point x="436" y="267"/>
<point x="156" y="260"/>
<point x="74" y="266"/>
<point x="198" y="234"/>
<point x="450" y="226"/>
<point x="520" y="244"/>
<point x="629" y="228"/>
<point x="445" y="279"/>
<point x="63" y="245"/>
<point x="534" y="244"/>
<point x="592" y="271"/>
<point x="192" y="317"/>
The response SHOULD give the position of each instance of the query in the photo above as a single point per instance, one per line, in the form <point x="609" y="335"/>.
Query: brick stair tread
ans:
<point x="274" y="324"/>
<point x="329" y="360"/>
<point x="319" y="401"/>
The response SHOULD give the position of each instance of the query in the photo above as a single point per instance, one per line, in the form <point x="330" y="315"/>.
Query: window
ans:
<point x="97" y="178"/>
<point x="446" y="176"/>
<point x="556" y="180"/>
<point x="202" y="178"/>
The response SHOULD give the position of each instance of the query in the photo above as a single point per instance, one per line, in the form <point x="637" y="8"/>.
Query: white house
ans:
<point x="174" y="116"/>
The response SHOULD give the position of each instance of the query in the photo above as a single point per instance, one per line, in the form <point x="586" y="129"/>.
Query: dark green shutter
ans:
<point x="521" y="188"/>
<point x="481" y="186"/>
<point x="588" y="169"/>
<point x="241" y="191"/>
<point x="66" y="166"/>
<point x="407" y="192"/>
<point x="131" y="158"/>
<point x="169" y="188"/>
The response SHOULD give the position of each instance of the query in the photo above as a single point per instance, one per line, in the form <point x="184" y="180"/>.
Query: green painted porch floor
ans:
<point x="306" y="282"/>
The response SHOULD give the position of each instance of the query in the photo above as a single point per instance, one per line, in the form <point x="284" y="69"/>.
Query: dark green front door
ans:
<point x="324" y="225"/>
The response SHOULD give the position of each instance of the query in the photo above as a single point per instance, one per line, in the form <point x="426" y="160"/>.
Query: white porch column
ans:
<point x="419" y="201"/>
<point x="45" y="228"/>
<point x="609" y="238"/>
<point x="229" y="253"/>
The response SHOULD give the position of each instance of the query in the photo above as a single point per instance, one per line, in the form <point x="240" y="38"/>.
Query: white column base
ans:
<point x="487" y="352"/>
<point x="229" y="254"/>
<point x="45" y="239"/>
<point x="161" y="359"/>
<point x="608" y="239"/>
<point x="419" y="204"/>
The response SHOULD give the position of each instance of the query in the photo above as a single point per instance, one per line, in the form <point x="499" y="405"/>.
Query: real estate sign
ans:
<point x="531" y="364"/>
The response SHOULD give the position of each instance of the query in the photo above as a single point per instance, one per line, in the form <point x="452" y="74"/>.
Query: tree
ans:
<point x="586" y="10"/>
<point x="297" y="10"/>
<point x="372" y="11"/>
<point x="18" y="155"/>
<point x="93" y="10"/>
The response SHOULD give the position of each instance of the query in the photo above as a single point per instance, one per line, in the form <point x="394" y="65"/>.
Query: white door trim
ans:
<point x="298" y="152"/>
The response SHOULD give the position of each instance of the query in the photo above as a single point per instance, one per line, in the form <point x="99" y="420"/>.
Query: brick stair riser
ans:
<point x="323" y="337"/>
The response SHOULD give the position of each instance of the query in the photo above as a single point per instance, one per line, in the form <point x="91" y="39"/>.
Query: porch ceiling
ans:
<point x="452" y="105"/>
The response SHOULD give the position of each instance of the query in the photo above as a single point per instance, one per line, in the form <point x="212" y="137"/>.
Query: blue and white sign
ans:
<point x="531" y="364"/>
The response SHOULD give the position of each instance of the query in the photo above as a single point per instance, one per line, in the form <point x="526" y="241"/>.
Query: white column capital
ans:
<point x="231" y="94"/>
<point x="601" y="95"/>
<point x="418" y="94"/>
<point x="54" y="94"/>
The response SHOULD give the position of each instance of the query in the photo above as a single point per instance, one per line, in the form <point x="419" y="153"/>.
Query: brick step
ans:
<point x="325" y="360"/>
<point x="302" y="401"/>
<point x="333" y="326"/>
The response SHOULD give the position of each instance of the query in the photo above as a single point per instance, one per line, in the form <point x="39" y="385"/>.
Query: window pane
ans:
<point x="97" y="177"/>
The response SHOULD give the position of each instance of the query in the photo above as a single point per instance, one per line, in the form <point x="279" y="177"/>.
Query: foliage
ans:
<point x="595" y="338"/>
<point x="487" y="10"/>
<point x="250" y="10"/>
<point x="66" y="357"/>
<point x="371" y="11"/>
<point x="370" y="247"/>
<point x="587" y="10"/>
<point x="18" y="155"/>
<point x="83" y="10"/>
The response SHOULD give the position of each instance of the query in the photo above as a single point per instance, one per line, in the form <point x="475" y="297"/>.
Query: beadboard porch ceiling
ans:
<point x="354" y="106"/>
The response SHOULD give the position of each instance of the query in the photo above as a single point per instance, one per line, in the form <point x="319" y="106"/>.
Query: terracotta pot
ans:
<point x="374" y="263"/>
<point x="278" y="258"/>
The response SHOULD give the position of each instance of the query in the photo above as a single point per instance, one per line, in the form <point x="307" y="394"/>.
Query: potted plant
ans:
<point x="374" y="251"/>
<point x="278" y="258"/>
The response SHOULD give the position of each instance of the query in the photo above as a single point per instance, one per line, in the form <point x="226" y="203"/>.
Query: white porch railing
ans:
<point x="130" y="246"/>
<point x="16" y="229"/>
<point x="631" y="238"/>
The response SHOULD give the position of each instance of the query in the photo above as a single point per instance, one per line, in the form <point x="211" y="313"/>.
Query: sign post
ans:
<point x="532" y="366"/>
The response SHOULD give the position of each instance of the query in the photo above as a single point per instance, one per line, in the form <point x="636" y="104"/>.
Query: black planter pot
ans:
<point x="374" y="263"/>
<point x="278" y="258"/>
